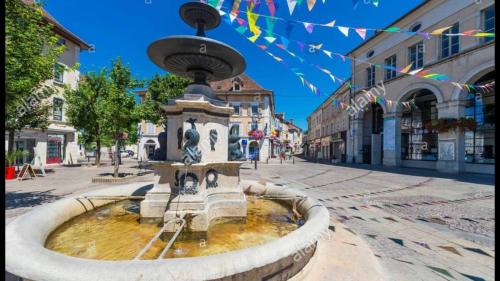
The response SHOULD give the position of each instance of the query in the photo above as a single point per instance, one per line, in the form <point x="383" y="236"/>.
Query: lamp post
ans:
<point x="255" y="119"/>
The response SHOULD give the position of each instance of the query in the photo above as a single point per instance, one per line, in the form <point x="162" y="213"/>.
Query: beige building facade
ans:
<point x="328" y="129"/>
<point x="58" y="144"/>
<point x="148" y="142"/>
<point x="253" y="110"/>
<point x="394" y="135"/>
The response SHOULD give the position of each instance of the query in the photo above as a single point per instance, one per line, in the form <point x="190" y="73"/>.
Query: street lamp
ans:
<point x="255" y="119"/>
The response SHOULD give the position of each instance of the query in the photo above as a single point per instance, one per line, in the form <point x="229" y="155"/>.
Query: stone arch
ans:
<point x="360" y="113"/>
<point x="412" y="88"/>
<point x="472" y="75"/>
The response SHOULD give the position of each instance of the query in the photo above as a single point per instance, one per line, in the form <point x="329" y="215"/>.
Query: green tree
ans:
<point x="84" y="109"/>
<point x="161" y="88"/>
<point x="31" y="52"/>
<point x="119" y="110"/>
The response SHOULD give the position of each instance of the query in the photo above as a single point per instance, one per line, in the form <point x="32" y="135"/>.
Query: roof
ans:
<point x="393" y="23"/>
<point x="246" y="83"/>
<point x="61" y="30"/>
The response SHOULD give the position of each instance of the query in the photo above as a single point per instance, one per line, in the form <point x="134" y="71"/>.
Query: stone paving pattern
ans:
<point x="418" y="224"/>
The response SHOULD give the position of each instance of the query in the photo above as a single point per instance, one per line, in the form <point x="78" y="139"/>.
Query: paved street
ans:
<point x="420" y="225"/>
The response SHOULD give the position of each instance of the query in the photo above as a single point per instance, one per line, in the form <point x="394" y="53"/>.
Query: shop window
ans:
<point x="416" y="55"/>
<point x="57" y="107"/>
<point x="418" y="142"/>
<point x="480" y="142"/>
<point x="450" y="45"/>
<point x="488" y="22"/>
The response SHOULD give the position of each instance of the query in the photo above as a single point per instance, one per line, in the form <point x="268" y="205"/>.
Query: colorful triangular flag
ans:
<point x="344" y="30"/>
<point x="291" y="5"/>
<point x="309" y="27"/>
<point x="310" y="4"/>
<point x="361" y="32"/>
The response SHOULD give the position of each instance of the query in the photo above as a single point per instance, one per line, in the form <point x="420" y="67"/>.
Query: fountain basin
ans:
<point x="27" y="257"/>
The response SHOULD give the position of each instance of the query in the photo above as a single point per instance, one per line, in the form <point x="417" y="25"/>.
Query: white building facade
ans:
<point x="58" y="144"/>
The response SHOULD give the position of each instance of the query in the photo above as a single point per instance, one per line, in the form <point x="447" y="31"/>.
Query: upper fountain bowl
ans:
<point x="189" y="55"/>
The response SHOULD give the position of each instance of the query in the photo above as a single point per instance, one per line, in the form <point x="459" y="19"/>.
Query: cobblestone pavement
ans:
<point x="420" y="224"/>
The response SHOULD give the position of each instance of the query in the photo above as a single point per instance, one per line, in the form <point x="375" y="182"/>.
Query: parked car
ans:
<point x="124" y="153"/>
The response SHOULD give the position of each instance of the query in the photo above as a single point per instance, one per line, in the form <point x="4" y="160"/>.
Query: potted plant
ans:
<point x="467" y="123"/>
<point x="257" y="134"/>
<point x="445" y="124"/>
<point x="10" y="170"/>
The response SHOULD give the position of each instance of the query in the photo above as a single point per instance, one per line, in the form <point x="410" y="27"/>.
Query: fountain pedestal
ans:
<point x="203" y="191"/>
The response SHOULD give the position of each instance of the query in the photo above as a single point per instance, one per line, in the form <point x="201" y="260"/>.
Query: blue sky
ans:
<point x="126" y="28"/>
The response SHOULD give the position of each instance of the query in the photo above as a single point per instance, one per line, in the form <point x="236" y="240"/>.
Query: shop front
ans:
<point x="339" y="147"/>
<point x="55" y="148"/>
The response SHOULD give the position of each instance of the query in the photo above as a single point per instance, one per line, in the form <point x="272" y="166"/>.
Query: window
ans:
<point x="390" y="73"/>
<point x="57" y="105"/>
<point x="416" y="27"/>
<point x="417" y="141"/>
<point x="150" y="128"/>
<point x="488" y="22"/>
<point x="236" y="87"/>
<point x="254" y="126"/>
<point x="237" y="109"/>
<point x="235" y="130"/>
<point x="416" y="55"/>
<point x="61" y="42"/>
<point x="450" y="43"/>
<point x="480" y="141"/>
<point x="254" y="109"/>
<point x="59" y="73"/>
<point x="370" y="76"/>
<point x="370" y="53"/>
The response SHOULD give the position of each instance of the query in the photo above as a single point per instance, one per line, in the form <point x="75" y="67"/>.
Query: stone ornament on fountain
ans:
<point x="234" y="148"/>
<point x="213" y="139"/>
<point x="191" y="154"/>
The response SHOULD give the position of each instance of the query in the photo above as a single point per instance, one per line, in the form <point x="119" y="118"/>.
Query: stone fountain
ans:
<point x="200" y="179"/>
<point x="197" y="184"/>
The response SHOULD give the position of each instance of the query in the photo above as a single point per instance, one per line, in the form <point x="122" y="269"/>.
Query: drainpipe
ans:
<point x="351" y="95"/>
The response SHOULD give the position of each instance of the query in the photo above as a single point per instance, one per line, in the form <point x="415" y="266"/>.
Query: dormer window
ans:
<point x="237" y="84"/>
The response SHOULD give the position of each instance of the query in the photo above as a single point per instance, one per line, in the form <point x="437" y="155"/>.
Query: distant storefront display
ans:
<point x="55" y="144"/>
<point x="339" y="146"/>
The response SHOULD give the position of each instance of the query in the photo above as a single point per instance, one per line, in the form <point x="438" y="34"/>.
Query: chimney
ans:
<point x="291" y="120"/>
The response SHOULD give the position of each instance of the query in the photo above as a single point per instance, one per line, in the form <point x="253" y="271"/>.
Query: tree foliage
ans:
<point x="84" y="108"/>
<point x="31" y="51"/>
<point x="161" y="88"/>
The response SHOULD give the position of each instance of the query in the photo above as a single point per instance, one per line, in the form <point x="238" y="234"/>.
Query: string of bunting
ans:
<point x="345" y="30"/>
<point x="423" y="73"/>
